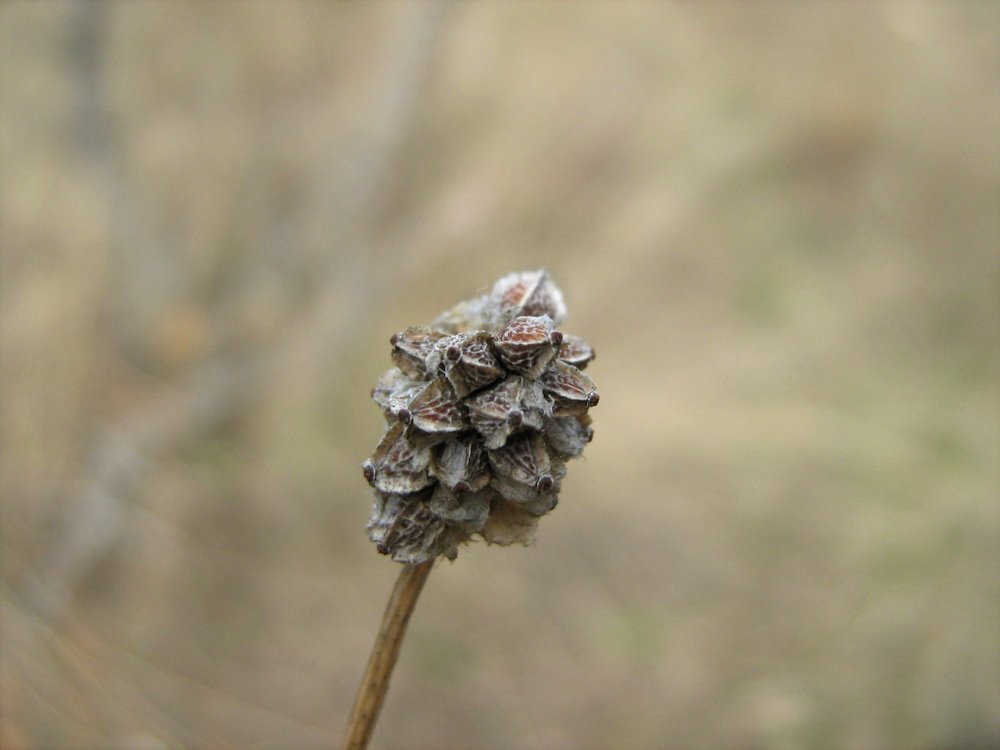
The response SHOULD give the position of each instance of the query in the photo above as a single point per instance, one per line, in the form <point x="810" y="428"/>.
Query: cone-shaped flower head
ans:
<point x="483" y="409"/>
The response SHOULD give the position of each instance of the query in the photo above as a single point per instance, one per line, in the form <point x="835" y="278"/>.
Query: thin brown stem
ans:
<point x="373" y="687"/>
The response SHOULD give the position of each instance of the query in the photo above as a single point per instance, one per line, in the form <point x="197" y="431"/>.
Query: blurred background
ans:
<point x="776" y="222"/>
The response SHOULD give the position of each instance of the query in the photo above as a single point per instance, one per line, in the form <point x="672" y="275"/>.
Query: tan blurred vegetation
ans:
<point x="776" y="222"/>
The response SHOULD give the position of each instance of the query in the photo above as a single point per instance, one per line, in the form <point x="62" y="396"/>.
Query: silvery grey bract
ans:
<point x="483" y="409"/>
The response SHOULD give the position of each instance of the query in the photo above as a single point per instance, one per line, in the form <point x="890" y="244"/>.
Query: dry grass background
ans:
<point x="778" y="224"/>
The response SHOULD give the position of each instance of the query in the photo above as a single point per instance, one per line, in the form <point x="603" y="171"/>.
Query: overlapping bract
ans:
<point x="483" y="409"/>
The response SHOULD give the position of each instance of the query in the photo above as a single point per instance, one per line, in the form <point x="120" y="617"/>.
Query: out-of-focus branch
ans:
<point x="96" y="509"/>
<point x="146" y="259"/>
<point x="345" y="294"/>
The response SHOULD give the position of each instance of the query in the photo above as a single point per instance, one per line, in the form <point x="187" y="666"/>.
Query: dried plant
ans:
<point x="483" y="409"/>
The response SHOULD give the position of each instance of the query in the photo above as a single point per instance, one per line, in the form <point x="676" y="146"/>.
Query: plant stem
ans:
<point x="375" y="683"/>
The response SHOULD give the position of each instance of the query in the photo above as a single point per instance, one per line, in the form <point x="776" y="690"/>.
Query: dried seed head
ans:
<point x="461" y="464"/>
<point x="466" y="511"/>
<point x="568" y="436"/>
<point x="501" y="410"/>
<point x="525" y="345"/>
<point x="393" y="393"/>
<point x="529" y="293"/>
<point x="483" y="409"/>
<point x="397" y="465"/>
<point x="405" y="527"/>
<point x="574" y="351"/>
<point x="436" y="409"/>
<point x="469" y="363"/>
<point x="571" y="391"/>
<point x="410" y="349"/>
